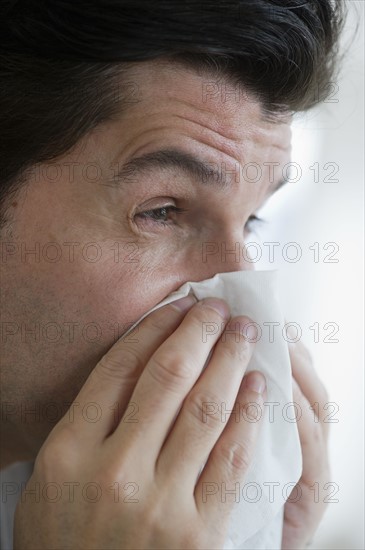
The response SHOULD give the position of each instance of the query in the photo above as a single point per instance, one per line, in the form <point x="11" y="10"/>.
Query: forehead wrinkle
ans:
<point x="216" y="149"/>
<point x="224" y="116"/>
<point x="212" y="121"/>
<point x="253" y="134"/>
<point x="231" y="146"/>
<point x="129" y="146"/>
<point x="219" y="135"/>
<point x="216" y="120"/>
<point x="221" y="114"/>
<point x="238" y="142"/>
<point x="130" y="151"/>
<point x="270" y="144"/>
<point x="240" y="134"/>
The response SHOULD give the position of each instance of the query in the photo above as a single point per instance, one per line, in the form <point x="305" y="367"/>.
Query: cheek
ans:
<point x="117" y="290"/>
<point x="71" y="315"/>
<point x="132" y="292"/>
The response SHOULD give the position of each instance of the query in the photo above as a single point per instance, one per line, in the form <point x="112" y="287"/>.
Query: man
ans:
<point x="127" y="129"/>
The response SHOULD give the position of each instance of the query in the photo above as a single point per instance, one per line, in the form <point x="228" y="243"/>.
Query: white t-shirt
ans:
<point x="13" y="479"/>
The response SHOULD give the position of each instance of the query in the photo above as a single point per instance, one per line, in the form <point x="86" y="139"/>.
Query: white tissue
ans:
<point x="257" y="517"/>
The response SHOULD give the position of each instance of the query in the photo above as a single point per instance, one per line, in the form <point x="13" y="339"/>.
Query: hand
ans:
<point x="131" y="479"/>
<point x="306" y="505"/>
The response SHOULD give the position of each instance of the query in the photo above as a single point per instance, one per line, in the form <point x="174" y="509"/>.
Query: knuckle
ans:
<point x="125" y="365"/>
<point x="236" y="455"/>
<point x="55" y="456"/>
<point x="170" y="369"/>
<point x="252" y="411"/>
<point x="318" y="440"/>
<point x="202" y="314"/>
<point x="204" y="407"/>
<point x="159" y="321"/>
<point x="115" y="471"/>
<point x="235" y="347"/>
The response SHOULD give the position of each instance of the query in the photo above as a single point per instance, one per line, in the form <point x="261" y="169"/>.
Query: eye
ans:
<point x="161" y="215"/>
<point x="165" y="215"/>
<point x="253" y="223"/>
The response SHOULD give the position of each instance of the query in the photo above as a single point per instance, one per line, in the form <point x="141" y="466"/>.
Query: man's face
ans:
<point x="100" y="257"/>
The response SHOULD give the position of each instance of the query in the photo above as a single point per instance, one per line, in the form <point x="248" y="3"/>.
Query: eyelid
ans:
<point x="253" y="224"/>
<point x="155" y="204"/>
<point x="255" y="219"/>
<point x="148" y="215"/>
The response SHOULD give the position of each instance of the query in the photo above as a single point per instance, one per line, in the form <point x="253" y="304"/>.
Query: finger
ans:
<point x="312" y="439"/>
<point x="106" y="393"/>
<point x="205" y="411"/>
<point x="315" y="475"/>
<point x="170" y="375"/>
<point x="307" y="377"/>
<point x="233" y="453"/>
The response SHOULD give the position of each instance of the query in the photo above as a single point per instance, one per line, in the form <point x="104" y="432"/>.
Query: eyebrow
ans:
<point x="204" y="173"/>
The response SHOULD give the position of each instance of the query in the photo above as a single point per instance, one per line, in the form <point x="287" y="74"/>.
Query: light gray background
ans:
<point x="307" y="212"/>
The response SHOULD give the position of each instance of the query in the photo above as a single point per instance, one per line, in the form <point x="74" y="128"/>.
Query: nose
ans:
<point x="222" y="255"/>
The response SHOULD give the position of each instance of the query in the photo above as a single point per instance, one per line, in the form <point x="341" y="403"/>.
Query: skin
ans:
<point x="154" y="259"/>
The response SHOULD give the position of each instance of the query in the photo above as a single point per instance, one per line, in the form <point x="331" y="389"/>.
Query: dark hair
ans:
<point x="62" y="60"/>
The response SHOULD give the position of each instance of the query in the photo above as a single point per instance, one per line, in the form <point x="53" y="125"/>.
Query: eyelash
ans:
<point x="151" y="215"/>
<point x="254" y="221"/>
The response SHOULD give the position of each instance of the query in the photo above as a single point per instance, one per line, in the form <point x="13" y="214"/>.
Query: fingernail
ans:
<point x="218" y="305"/>
<point x="255" y="382"/>
<point x="183" y="304"/>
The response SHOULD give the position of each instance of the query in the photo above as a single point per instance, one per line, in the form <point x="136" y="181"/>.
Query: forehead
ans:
<point x="216" y="112"/>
